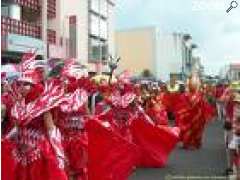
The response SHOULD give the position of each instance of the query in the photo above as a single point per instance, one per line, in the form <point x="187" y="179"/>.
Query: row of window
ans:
<point x="98" y="34"/>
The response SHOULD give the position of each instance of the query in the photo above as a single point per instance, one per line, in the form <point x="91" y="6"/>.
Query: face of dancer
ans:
<point x="25" y="88"/>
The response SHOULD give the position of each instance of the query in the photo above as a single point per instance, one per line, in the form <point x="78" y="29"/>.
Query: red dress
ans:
<point x="71" y="117"/>
<point x="119" y="118"/>
<point x="32" y="152"/>
<point x="192" y="119"/>
<point x="74" y="139"/>
<point x="159" y="116"/>
<point x="111" y="157"/>
<point x="155" y="142"/>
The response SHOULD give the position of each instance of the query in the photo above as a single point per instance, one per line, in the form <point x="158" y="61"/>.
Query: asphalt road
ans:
<point x="208" y="161"/>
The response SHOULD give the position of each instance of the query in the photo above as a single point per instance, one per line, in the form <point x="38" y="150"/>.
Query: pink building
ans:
<point x="80" y="29"/>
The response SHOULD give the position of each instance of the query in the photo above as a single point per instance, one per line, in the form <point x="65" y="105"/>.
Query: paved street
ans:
<point x="209" y="161"/>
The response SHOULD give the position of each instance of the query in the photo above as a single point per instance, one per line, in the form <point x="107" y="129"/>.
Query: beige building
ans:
<point x="136" y="48"/>
<point x="80" y="29"/>
<point x="164" y="54"/>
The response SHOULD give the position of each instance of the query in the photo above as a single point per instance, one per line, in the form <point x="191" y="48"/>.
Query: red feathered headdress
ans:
<point x="29" y="69"/>
<point x="73" y="69"/>
<point x="122" y="101"/>
<point x="51" y="97"/>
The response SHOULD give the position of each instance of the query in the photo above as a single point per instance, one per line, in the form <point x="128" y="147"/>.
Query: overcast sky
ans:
<point x="216" y="32"/>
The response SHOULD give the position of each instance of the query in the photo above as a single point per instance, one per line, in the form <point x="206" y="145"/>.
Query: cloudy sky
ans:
<point x="216" y="32"/>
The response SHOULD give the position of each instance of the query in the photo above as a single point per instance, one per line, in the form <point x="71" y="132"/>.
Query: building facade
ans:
<point x="136" y="47"/>
<point x="233" y="72"/>
<point x="164" y="54"/>
<point x="60" y="29"/>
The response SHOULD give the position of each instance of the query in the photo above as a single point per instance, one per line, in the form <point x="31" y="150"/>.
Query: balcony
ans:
<point x="14" y="26"/>
<point x="36" y="6"/>
<point x="32" y="4"/>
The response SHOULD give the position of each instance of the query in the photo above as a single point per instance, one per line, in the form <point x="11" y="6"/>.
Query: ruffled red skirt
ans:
<point x="44" y="167"/>
<point x="155" y="142"/>
<point x="111" y="157"/>
<point x="7" y="160"/>
<point x="75" y="148"/>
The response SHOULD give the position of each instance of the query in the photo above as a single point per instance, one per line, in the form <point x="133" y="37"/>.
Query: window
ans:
<point x="103" y="7"/>
<point x="98" y="50"/>
<point x="103" y="29"/>
<point x="104" y="49"/>
<point x="99" y="26"/>
<point x="5" y="10"/>
<point x="99" y="7"/>
<point x="95" y="5"/>
<point x="94" y="49"/>
<point x="94" y="30"/>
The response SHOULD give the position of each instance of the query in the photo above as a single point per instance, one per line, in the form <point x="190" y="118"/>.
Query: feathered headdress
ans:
<point x="73" y="69"/>
<point x="122" y="101"/>
<point x="29" y="68"/>
<point x="51" y="97"/>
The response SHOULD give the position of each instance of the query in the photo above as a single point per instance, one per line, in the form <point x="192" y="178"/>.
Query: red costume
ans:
<point x="155" y="142"/>
<point x="33" y="151"/>
<point x="192" y="118"/>
<point x="157" y="113"/>
<point x="70" y="117"/>
<point x="111" y="157"/>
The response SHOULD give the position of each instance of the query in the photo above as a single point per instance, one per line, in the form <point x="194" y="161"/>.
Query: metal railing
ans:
<point x="36" y="5"/>
<point x="9" y="25"/>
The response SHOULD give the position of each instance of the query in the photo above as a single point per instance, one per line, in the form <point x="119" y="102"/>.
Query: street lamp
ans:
<point x="186" y="43"/>
<point x="194" y="46"/>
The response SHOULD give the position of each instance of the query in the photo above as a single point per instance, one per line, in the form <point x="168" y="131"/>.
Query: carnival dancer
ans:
<point x="220" y="88"/>
<point x="154" y="141"/>
<point x="32" y="149"/>
<point x="232" y="125"/>
<point x="121" y="110"/>
<point x="192" y="114"/>
<point x="112" y="155"/>
<point x="209" y="91"/>
<point x="70" y="116"/>
<point x="34" y="145"/>
<point x="171" y="97"/>
<point x="157" y="111"/>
